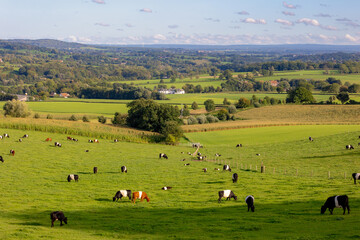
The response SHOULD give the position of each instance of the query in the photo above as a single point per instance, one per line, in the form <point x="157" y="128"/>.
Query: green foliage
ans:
<point x="231" y="109"/>
<point x="15" y="108"/>
<point x="73" y="118"/>
<point x="223" y="115"/>
<point x="201" y="119"/>
<point x="49" y="116"/>
<point x="226" y="101"/>
<point x="36" y="115"/>
<point x="102" y="119"/>
<point x="194" y="106"/>
<point x="85" y="118"/>
<point x="243" y="103"/>
<point x="119" y="119"/>
<point x="209" y="105"/>
<point x="300" y="95"/>
<point x="343" y="97"/>
<point x="191" y="120"/>
<point x="172" y="131"/>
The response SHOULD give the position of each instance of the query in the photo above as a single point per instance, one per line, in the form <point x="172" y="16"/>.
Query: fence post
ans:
<point x="329" y="174"/>
<point x="250" y="166"/>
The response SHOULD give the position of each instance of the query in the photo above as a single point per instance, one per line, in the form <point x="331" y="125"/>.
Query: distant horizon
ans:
<point x="200" y="22"/>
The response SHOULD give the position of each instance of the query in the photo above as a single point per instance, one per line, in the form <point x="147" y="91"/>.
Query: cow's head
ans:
<point x="114" y="198"/>
<point x="323" y="209"/>
<point x="235" y="197"/>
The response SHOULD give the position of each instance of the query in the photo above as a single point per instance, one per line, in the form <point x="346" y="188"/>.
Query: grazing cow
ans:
<point x="73" y="177"/>
<point x="183" y="159"/>
<point x="235" y="177"/>
<point x="166" y="188"/>
<point x="57" y="144"/>
<point x="20" y="140"/>
<point x="356" y="176"/>
<point x="75" y="140"/>
<point x="311" y="139"/>
<point x="163" y="155"/>
<point x="250" y="202"/>
<point x="6" y="135"/>
<point x="1" y="137"/>
<point x="239" y="145"/>
<point x="25" y="136"/>
<point x="336" y="202"/>
<point x="201" y="157"/>
<point x="226" y="168"/>
<point x="197" y="145"/>
<point x="86" y="150"/>
<point x="189" y="153"/>
<point x="217" y="169"/>
<point x="123" y="169"/>
<point x="122" y="193"/>
<point x="95" y="169"/>
<point x="199" y="153"/>
<point x="204" y="169"/>
<point x="217" y="155"/>
<point x="58" y="215"/>
<point x="115" y="140"/>
<point x="228" y="194"/>
<point x="96" y="141"/>
<point x="90" y="141"/>
<point x="12" y="152"/>
<point x="1" y="159"/>
<point x="348" y="147"/>
<point x="48" y="140"/>
<point x="186" y="164"/>
<point x="258" y="154"/>
<point x="139" y="195"/>
<point x="69" y="138"/>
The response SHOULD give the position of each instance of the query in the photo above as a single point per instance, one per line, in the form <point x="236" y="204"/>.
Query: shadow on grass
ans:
<point x="352" y="153"/>
<point x="103" y="199"/>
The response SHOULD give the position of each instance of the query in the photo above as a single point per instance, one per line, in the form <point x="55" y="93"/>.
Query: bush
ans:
<point x="15" y="108"/>
<point x="209" y="105"/>
<point x="102" y="119"/>
<point x="257" y="105"/>
<point x="85" y="119"/>
<point x="49" y="116"/>
<point x="36" y="115"/>
<point x="300" y="95"/>
<point x="243" y="103"/>
<point x="73" y="118"/>
<point x="201" y="119"/>
<point x="172" y="131"/>
<point x="119" y="119"/>
<point x="231" y="109"/>
<point x="194" y="106"/>
<point x="192" y="120"/>
<point x="223" y="115"/>
<point x="210" y="118"/>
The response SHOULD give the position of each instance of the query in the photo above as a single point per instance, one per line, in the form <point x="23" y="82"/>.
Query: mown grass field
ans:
<point x="33" y="184"/>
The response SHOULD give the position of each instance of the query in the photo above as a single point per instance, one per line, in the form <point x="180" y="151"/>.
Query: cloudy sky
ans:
<point x="183" y="21"/>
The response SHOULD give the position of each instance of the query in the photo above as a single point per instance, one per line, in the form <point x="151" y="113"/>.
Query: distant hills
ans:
<point x="271" y="49"/>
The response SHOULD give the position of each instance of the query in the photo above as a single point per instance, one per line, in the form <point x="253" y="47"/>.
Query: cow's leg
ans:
<point x="219" y="199"/>
<point x="348" y="208"/>
<point x="354" y="180"/>
<point x="61" y="223"/>
<point x="331" y="210"/>
<point x="52" y="222"/>
<point x="248" y="207"/>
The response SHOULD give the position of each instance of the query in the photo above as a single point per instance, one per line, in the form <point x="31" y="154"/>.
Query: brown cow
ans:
<point x="58" y="215"/>
<point x="48" y="140"/>
<point x="139" y="195"/>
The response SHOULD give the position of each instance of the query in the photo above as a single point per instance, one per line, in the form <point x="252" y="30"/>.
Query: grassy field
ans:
<point x="33" y="184"/>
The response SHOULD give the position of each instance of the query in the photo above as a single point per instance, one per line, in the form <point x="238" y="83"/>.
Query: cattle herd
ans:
<point x="340" y="201"/>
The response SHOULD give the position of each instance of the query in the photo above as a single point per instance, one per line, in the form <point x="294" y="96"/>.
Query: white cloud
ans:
<point x="308" y="21"/>
<point x="159" y="37"/>
<point x="350" y="38"/>
<point x="146" y="10"/>
<point x="284" y="22"/>
<point x="290" y="5"/>
<point x="243" y="13"/>
<point x="98" y="1"/>
<point x="288" y="13"/>
<point x="330" y="28"/>
<point x="254" y="21"/>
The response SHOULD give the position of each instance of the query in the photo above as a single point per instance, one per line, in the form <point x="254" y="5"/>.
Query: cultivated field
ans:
<point x="287" y="199"/>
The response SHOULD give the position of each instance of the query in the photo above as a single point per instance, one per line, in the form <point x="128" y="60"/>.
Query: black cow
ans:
<point x="6" y="135"/>
<point x="228" y="194"/>
<point x="348" y="147"/>
<point x="123" y="169"/>
<point x="57" y="144"/>
<point x="311" y="139"/>
<point x="226" y="168"/>
<point x="58" y="215"/>
<point x="1" y="159"/>
<point x="239" y="145"/>
<point x="356" y="176"/>
<point x="235" y="177"/>
<point x="187" y="164"/>
<point x="201" y="157"/>
<point x="163" y="155"/>
<point x="20" y="140"/>
<point x="115" y="140"/>
<point x="73" y="177"/>
<point x="166" y="188"/>
<point x="25" y="136"/>
<point x="122" y="193"/>
<point x="217" y="155"/>
<point x="90" y="141"/>
<point x="204" y="169"/>
<point x="95" y="170"/>
<point x="250" y="203"/>
<point x="336" y="202"/>
<point x="12" y="152"/>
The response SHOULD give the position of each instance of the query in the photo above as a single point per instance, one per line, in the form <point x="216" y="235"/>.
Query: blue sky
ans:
<point x="215" y="22"/>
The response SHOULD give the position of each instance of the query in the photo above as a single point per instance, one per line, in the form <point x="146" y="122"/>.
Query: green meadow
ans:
<point x="288" y="196"/>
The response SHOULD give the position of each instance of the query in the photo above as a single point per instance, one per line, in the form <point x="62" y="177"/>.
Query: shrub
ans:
<point x="223" y="115"/>
<point x="73" y="118"/>
<point x="85" y="119"/>
<point x="257" y="105"/>
<point x="194" y="106"/>
<point x="119" y="119"/>
<point x="15" y="108"/>
<point x="49" y="116"/>
<point x="210" y="118"/>
<point x="243" y="103"/>
<point x="209" y="105"/>
<point x="201" y="119"/>
<point x="36" y="115"/>
<point x="231" y="109"/>
<point x="192" y="120"/>
<point x="102" y="119"/>
<point x="300" y="95"/>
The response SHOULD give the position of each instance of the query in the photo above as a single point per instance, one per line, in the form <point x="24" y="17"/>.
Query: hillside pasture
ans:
<point x="287" y="206"/>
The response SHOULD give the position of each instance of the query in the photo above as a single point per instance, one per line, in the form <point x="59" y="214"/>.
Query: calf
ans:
<point x="217" y="155"/>
<point x="348" y="147"/>
<point x="69" y="138"/>
<point x="166" y="188"/>
<point x="96" y="141"/>
<point x="239" y="145"/>
<point x="336" y="202"/>
<point x="75" y="140"/>
<point x="250" y="202"/>
<point x="163" y="155"/>
<point x="201" y="157"/>
<point x="235" y="177"/>
<point x="311" y="139"/>
<point x="228" y="194"/>
<point x="48" y="140"/>
<point x="57" y="144"/>
<point x="6" y="135"/>
<point x="95" y="170"/>
<point x="356" y="176"/>
<point x="25" y="136"/>
<point x="115" y="140"/>
<point x="122" y="193"/>
<point x="20" y="140"/>
<point x="90" y="141"/>
<point x="12" y="152"/>
<point x="204" y="169"/>
<point x="217" y="169"/>
<point x="226" y="168"/>
<point x="1" y="159"/>
<point x="73" y="177"/>
<point x="140" y="195"/>
<point x="58" y="215"/>
<point x="123" y="169"/>
<point x="186" y="164"/>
